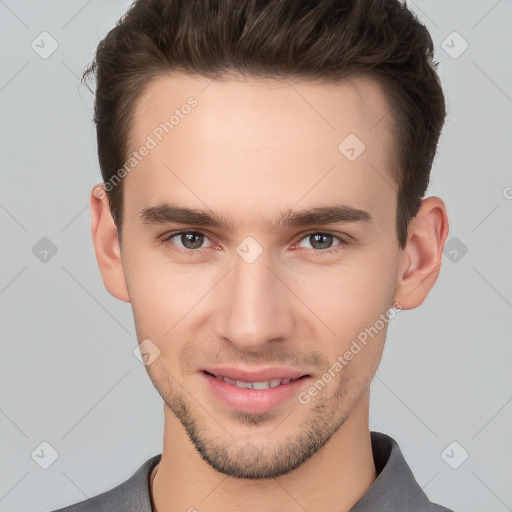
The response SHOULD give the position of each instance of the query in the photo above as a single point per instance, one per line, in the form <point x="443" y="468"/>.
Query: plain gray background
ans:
<point x="69" y="376"/>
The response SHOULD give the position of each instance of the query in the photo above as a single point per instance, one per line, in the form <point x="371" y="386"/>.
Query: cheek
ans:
<point x="353" y="302"/>
<point x="162" y="294"/>
<point x="352" y="295"/>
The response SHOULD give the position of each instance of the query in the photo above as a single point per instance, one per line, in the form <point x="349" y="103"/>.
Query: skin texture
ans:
<point x="248" y="151"/>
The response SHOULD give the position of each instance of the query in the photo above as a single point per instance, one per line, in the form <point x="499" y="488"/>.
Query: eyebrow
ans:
<point x="166" y="213"/>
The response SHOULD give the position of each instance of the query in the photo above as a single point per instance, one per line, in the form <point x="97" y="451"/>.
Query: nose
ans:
<point x="255" y="306"/>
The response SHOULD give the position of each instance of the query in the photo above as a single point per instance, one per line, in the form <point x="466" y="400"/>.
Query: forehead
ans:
<point x="251" y="106"/>
<point x="262" y="142"/>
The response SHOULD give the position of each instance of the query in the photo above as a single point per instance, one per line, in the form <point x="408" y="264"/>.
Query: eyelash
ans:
<point x="315" y="252"/>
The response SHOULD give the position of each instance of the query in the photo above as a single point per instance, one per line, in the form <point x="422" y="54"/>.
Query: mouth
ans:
<point x="264" y="384"/>
<point x="253" y="395"/>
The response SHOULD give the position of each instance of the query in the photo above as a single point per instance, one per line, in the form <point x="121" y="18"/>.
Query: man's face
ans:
<point x="261" y="293"/>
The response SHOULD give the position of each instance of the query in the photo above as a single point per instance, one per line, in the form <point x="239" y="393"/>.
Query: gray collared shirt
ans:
<point x="394" y="490"/>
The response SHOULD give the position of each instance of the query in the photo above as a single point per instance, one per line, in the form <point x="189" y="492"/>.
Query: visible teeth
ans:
<point x="261" y="385"/>
<point x="255" y="385"/>
<point x="242" y="384"/>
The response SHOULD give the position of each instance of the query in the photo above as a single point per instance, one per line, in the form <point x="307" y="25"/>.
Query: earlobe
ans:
<point x="420" y="260"/>
<point x="106" y="245"/>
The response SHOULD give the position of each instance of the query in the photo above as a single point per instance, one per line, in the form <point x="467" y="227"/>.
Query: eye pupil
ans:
<point x="192" y="240"/>
<point x="321" y="240"/>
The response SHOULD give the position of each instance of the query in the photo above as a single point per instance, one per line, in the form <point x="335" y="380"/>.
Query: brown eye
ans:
<point x="321" y="240"/>
<point x="192" y="240"/>
<point x="187" y="241"/>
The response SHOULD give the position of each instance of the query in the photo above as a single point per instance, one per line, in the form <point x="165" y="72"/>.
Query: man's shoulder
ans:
<point x="423" y="504"/>
<point x="395" y="487"/>
<point x="132" y="495"/>
<point x="440" y="508"/>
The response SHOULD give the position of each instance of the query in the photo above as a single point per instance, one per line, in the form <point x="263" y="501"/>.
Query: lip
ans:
<point x="253" y="401"/>
<point x="259" y="375"/>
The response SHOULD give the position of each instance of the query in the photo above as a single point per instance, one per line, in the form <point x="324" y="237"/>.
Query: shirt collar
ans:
<point x="395" y="487"/>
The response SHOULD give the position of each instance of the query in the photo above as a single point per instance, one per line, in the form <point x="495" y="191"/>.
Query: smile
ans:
<point x="253" y="397"/>
<point x="254" y="385"/>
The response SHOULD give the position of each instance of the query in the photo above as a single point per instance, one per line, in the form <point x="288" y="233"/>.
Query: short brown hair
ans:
<point x="324" y="39"/>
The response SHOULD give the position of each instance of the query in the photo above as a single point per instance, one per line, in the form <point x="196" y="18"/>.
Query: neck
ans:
<point x="334" y="478"/>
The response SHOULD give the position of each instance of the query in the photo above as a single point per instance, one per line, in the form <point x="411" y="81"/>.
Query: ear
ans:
<point x="106" y="245"/>
<point x="420" y="260"/>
